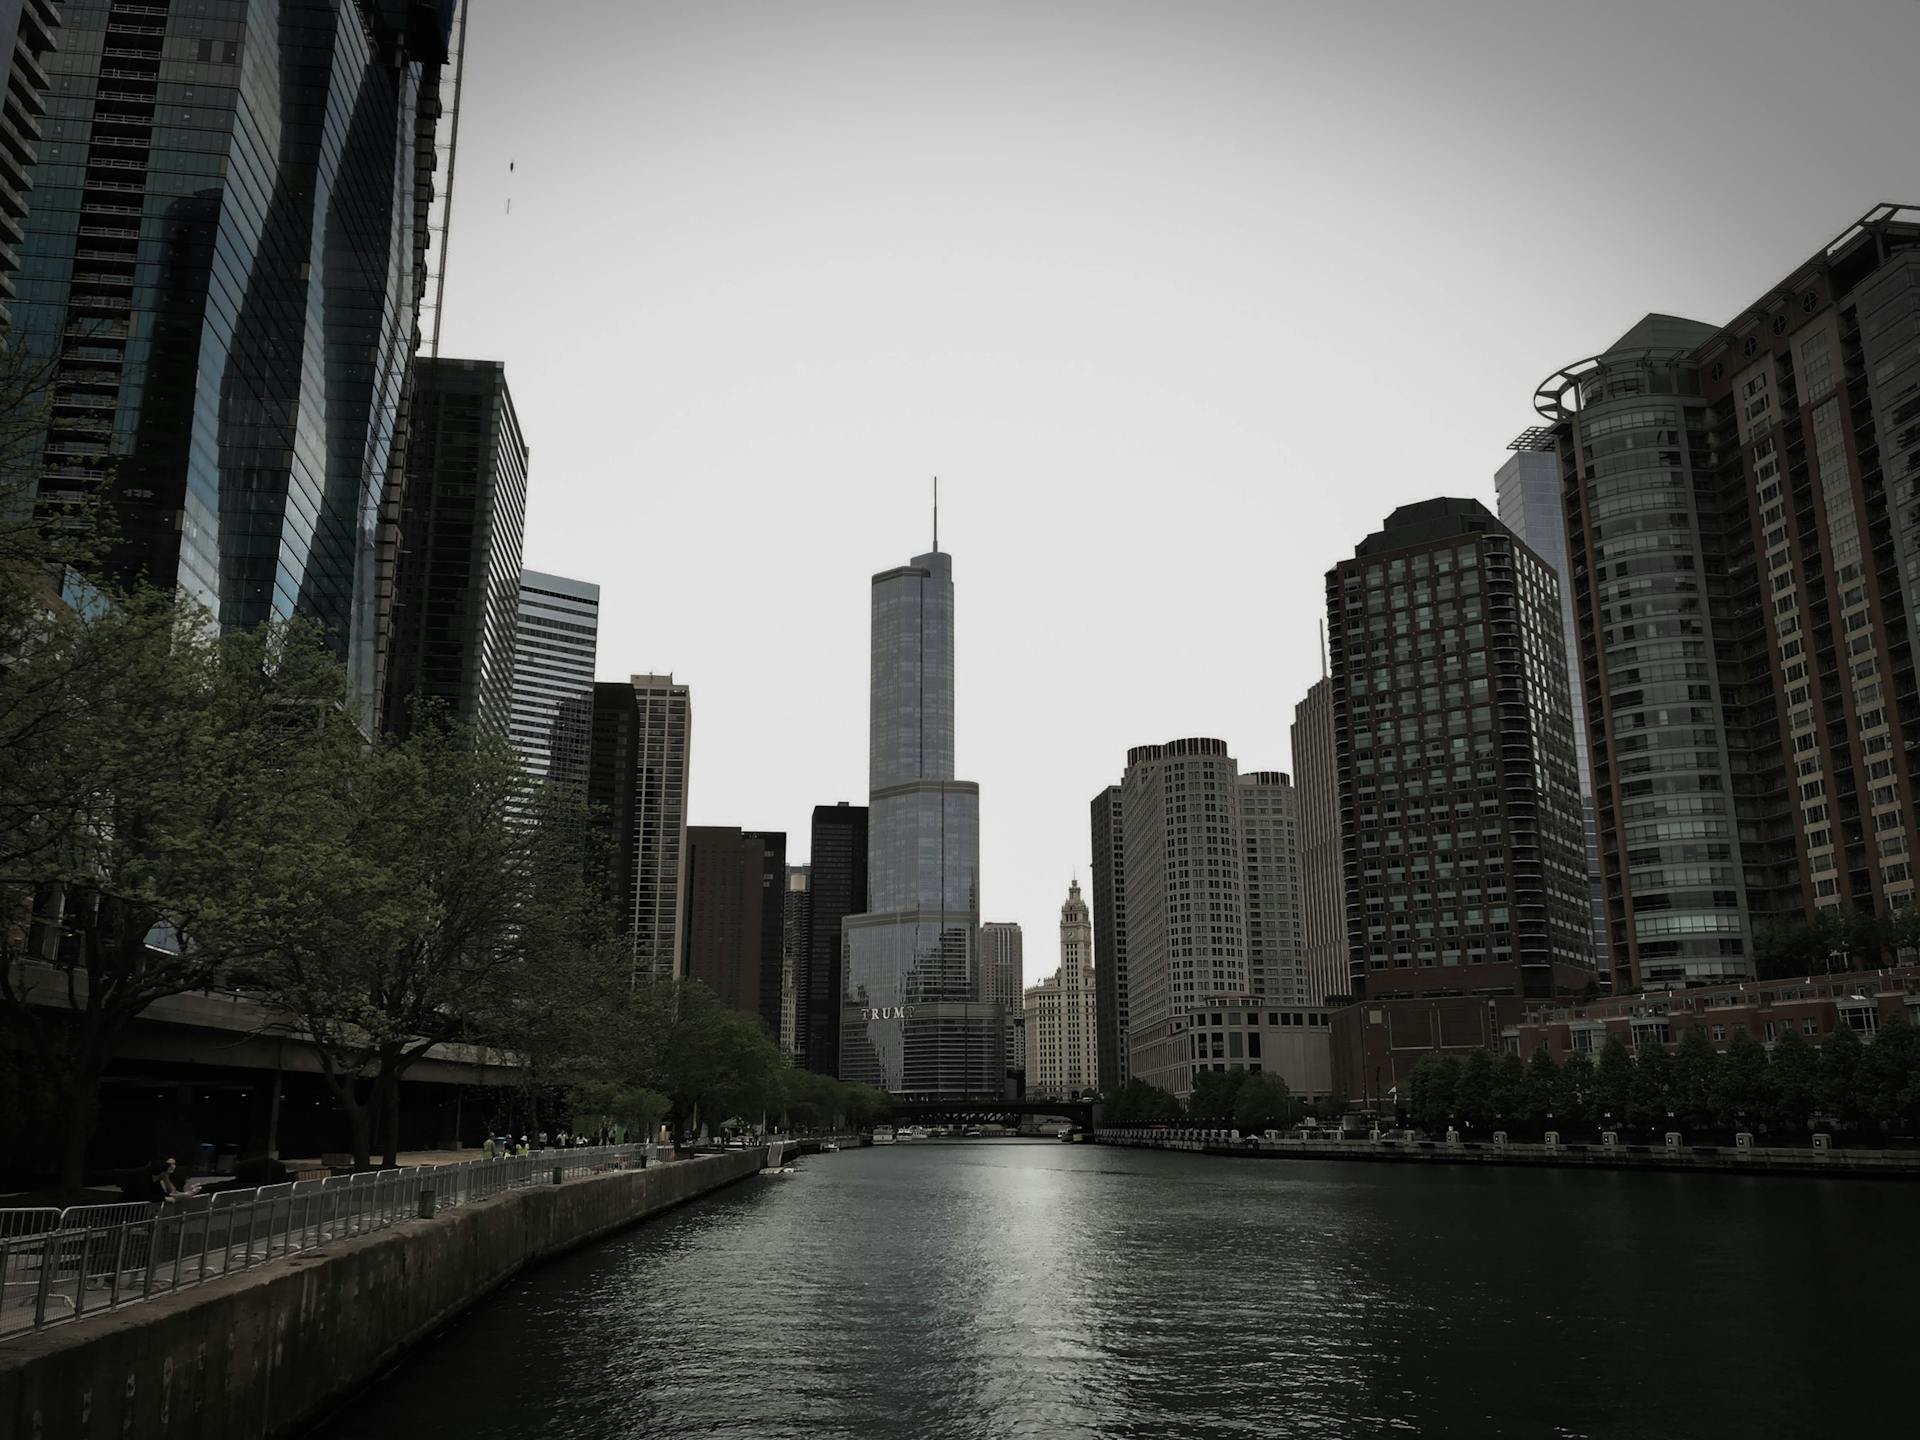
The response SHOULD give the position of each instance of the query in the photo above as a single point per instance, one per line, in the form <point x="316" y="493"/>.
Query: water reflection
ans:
<point x="1033" y="1289"/>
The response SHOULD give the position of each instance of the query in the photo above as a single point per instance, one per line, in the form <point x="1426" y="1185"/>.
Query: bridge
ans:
<point x="1082" y="1113"/>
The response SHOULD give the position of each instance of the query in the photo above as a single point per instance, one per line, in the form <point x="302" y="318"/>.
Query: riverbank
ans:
<point x="268" y="1351"/>
<point x="1757" y="1160"/>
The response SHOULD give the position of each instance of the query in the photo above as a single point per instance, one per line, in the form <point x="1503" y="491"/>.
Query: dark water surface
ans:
<point x="1023" y="1288"/>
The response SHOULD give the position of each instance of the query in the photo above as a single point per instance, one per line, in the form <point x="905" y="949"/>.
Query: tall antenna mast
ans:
<point x="936" y="514"/>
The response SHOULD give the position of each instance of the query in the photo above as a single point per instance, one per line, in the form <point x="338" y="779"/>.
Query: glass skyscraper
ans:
<point x="223" y="263"/>
<point x="912" y="1020"/>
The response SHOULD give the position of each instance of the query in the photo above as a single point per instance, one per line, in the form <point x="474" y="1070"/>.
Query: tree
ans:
<point x="1650" y="1098"/>
<point x="1885" y="1080"/>
<point x="152" y="764"/>
<point x="1575" y="1092"/>
<point x="1509" y="1108"/>
<point x="1140" y="1103"/>
<point x="719" y="1063"/>
<point x="410" y="917"/>
<point x="1696" y="1068"/>
<point x="1539" y="1090"/>
<point x="1265" y="1103"/>
<point x="1613" y="1083"/>
<point x="1743" y="1083"/>
<point x="1839" y="1066"/>
<point x="1794" y="1069"/>
<point x="1433" y="1087"/>
<point x="1473" y="1100"/>
<point x="1213" y="1094"/>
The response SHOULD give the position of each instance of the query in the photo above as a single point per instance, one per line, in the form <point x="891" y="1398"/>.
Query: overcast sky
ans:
<point x="1178" y="300"/>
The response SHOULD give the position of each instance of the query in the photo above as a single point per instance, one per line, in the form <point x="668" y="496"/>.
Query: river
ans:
<point x="1027" y="1288"/>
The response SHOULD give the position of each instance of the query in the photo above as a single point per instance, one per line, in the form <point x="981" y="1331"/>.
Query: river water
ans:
<point x="1028" y="1288"/>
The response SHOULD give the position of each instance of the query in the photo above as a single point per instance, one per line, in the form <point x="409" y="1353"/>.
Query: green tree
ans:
<point x="1575" y="1094"/>
<point x="1794" y="1068"/>
<point x="1885" y="1078"/>
<point x="1613" y="1084"/>
<point x="1696" y="1068"/>
<point x="1650" y="1100"/>
<point x="1538" y="1091"/>
<point x="1473" y="1099"/>
<point x="720" y="1063"/>
<point x="1434" y="1086"/>
<point x="1213" y="1095"/>
<point x="152" y="764"/>
<point x="1139" y="1103"/>
<point x="1509" y="1108"/>
<point x="1839" y="1068"/>
<point x="1743" y="1084"/>
<point x="1265" y="1103"/>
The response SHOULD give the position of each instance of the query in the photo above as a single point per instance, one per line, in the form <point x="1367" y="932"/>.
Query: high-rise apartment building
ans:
<point x="1323" y="886"/>
<point x="456" y="595"/>
<point x="1186" y="900"/>
<point x="838" y="887"/>
<point x="1270" y="830"/>
<point x="637" y="782"/>
<point x="911" y="1020"/>
<point x="1528" y="487"/>
<point x="555" y="644"/>
<point x="1460" y="802"/>
<point x="1741" y="514"/>
<point x="796" y="918"/>
<point x="223" y="263"/>
<point x="1110" y="940"/>
<point x="734" y="923"/>
<point x="1003" y="971"/>
<point x="29" y="31"/>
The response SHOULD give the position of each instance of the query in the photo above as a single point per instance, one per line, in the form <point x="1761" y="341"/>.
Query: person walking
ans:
<point x="486" y="1148"/>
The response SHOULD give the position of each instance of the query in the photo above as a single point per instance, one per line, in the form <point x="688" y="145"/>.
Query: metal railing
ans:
<point x="58" y="1265"/>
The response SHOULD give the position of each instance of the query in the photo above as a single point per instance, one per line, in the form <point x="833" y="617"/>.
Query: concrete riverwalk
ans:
<point x="266" y="1351"/>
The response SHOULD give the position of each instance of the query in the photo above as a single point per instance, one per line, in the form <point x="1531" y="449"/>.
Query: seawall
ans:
<point x="267" y="1351"/>
<point x="1760" y="1160"/>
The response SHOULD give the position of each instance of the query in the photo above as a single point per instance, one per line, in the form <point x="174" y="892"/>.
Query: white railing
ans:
<point x="61" y="1264"/>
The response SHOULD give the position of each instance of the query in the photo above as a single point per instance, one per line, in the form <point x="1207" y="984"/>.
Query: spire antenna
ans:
<point x="936" y="514"/>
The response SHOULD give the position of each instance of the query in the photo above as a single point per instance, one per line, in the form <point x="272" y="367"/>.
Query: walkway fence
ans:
<point x="58" y="1265"/>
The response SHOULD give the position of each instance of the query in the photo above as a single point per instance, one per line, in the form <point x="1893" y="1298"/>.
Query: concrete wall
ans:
<point x="262" y="1353"/>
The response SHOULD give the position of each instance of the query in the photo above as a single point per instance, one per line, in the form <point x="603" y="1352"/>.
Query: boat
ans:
<point x="829" y="1147"/>
<point x="914" y="1132"/>
<point x="883" y="1135"/>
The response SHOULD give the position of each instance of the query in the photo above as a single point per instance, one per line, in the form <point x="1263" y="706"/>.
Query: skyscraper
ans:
<point x="555" y="638"/>
<point x="1270" y="827"/>
<point x="1003" y="970"/>
<point x="839" y="889"/>
<point x="1528" y="486"/>
<point x="457" y="577"/>
<point x="1110" y="939"/>
<point x="796" y="919"/>
<point x="1460" y="803"/>
<point x="1186" y="900"/>
<point x="29" y="31"/>
<point x="735" y="917"/>
<point x="1060" y="1012"/>
<point x="223" y="262"/>
<point x="1742" y="534"/>
<point x="1323" y="890"/>
<point x="911" y="1020"/>
<point x="637" y="783"/>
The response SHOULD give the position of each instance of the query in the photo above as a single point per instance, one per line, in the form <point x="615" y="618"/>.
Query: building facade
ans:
<point x="734" y="925"/>
<point x="1110" y="940"/>
<point x="456" y="597"/>
<point x="1186" y="900"/>
<point x="796" y="913"/>
<point x="1460" y="802"/>
<point x="837" y="889"/>
<point x="555" y="647"/>
<point x="911" y="1019"/>
<point x="1323" y="890"/>
<point x="637" y="784"/>
<point x="1741" y="528"/>
<point x="1003" y="973"/>
<point x="223" y="264"/>
<point x="1270" y="827"/>
<point x="1528" y="488"/>
<point x="29" y="33"/>
<point x="1061" y="1031"/>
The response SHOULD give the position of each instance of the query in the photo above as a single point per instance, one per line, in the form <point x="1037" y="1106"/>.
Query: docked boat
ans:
<point x="883" y="1135"/>
<point x="829" y="1147"/>
<point x="914" y="1132"/>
